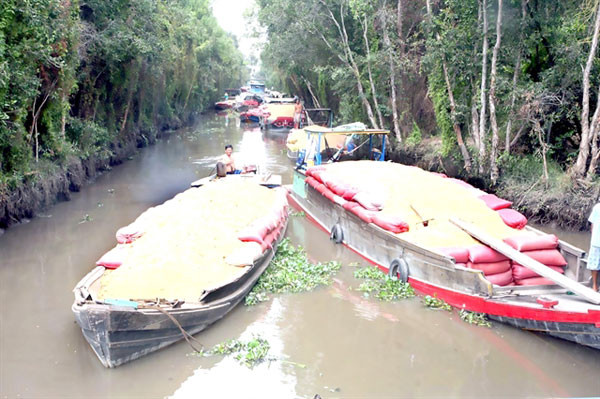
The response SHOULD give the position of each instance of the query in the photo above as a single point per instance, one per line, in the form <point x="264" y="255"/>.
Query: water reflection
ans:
<point x="230" y="379"/>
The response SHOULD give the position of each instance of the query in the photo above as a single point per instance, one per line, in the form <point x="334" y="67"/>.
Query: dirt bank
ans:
<point x="43" y="190"/>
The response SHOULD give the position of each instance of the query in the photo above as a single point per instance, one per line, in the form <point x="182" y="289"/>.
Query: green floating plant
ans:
<point x="436" y="303"/>
<point x="382" y="286"/>
<point x="479" y="319"/>
<point x="291" y="272"/>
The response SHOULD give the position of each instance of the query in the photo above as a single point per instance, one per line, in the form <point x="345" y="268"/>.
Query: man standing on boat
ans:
<point x="297" y="113"/>
<point x="593" y="259"/>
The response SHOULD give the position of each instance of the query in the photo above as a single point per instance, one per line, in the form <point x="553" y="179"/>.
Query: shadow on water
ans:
<point x="333" y="341"/>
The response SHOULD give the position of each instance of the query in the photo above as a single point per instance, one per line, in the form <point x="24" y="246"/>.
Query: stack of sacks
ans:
<point x="512" y="218"/>
<point x="189" y="243"/>
<point x="363" y="204"/>
<point x="495" y="266"/>
<point x="267" y="230"/>
<point x="542" y="248"/>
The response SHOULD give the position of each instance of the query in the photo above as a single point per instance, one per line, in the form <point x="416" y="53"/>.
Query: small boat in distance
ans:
<point x="170" y="277"/>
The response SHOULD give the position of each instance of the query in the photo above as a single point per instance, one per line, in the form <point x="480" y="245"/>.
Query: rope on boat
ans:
<point x="186" y="335"/>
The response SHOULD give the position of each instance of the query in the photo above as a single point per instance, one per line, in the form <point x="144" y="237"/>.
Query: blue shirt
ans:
<point x="595" y="220"/>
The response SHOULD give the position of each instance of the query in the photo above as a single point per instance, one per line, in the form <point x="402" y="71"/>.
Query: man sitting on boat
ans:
<point x="226" y="164"/>
<point x="297" y="113"/>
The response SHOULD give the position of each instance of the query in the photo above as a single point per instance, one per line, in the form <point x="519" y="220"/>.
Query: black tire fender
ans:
<point x="399" y="269"/>
<point x="337" y="234"/>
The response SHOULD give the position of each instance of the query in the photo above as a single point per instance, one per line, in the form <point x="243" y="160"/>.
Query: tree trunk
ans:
<point x="544" y="147"/>
<point x="457" y="131"/>
<point x="373" y="90"/>
<point x="400" y="24"/>
<point x="594" y="132"/>
<point x="348" y="58"/>
<point x="315" y="100"/>
<point x="579" y="168"/>
<point x="483" y="89"/>
<point x="455" y="125"/>
<point x="515" y="79"/>
<point x="492" y="98"/>
<point x="390" y="53"/>
<point x="474" y="121"/>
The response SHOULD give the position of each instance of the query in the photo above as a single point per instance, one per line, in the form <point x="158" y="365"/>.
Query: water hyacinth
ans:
<point x="247" y="353"/>
<point x="479" y="319"/>
<point x="290" y="272"/>
<point x="436" y="303"/>
<point x="381" y="286"/>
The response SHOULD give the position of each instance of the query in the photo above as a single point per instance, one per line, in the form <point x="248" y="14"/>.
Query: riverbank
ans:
<point x="558" y="203"/>
<point x="52" y="183"/>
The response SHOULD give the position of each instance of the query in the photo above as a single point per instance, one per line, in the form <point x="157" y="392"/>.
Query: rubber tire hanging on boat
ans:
<point x="337" y="234"/>
<point x="399" y="268"/>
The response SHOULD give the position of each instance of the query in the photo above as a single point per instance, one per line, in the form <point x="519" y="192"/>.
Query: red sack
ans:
<point x="339" y="200"/>
<point x="439" y="174"/>
<point x="312" y="169"/>
<point x="501" y="279"/>
<point x="521" y="272"/>
<point x="321" y="188"/>
<point x="311" y="181"/>
<point x="461" y="183"/>
<point x="350" y="193"/>
<point x="328" y="194"/>
<point x="512" y="218"/>
<point x="494" y="202"/>
<point x="460" y="254"/>
<point x="491" y="267"/>
<point x="483" y="254"/>
<point x="250" y="236"/>
<point x="549" y="257"/>
<point x="368" y="201"/>
<point x="113" y="258"/>
<point x="129" y="234"/>
<point x="535" y="281"/>
<point x="337" y="188"/>
<point x="365" y="215"/>
<point x="532" y="241"/>
<point x="390" y="223"/>
<point x="349" y="205"/>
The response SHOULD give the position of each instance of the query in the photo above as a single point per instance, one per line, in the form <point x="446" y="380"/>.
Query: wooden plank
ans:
<point x="524" y="260"/>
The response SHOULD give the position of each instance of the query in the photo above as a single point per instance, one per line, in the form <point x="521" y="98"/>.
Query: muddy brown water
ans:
<point x="333" y="342"/>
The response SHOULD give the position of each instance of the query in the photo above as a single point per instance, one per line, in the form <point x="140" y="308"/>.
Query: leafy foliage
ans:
<point x="83" y="78"/>
<point x="475" y="318"/>
<point x="248" y="353"/>
<point x="436" y="303"/>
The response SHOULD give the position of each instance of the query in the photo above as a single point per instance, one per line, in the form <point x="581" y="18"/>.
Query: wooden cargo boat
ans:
<point x="563" y="306"/>
<point x="124" y="329"/>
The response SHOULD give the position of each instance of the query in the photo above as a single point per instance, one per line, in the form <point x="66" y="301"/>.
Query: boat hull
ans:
<point x="437" y="275"/>
<point x="119" y="334"/>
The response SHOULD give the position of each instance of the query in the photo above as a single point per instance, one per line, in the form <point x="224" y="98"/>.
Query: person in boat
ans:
<point x="593" y="260"/>
<point x="297" y="113"/>
<point x="226" y="164"/>
<point x="226" y="96"/>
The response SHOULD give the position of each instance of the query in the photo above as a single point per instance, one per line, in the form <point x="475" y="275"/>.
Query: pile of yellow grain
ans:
<point x="186" y="241"/>
<point x="435" y="198"/>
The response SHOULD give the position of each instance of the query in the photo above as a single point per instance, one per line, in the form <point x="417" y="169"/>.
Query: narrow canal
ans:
<point x="332" y="342"/>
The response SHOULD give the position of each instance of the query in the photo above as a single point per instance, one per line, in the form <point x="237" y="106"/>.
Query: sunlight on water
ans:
<point x="230" y="379"/>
